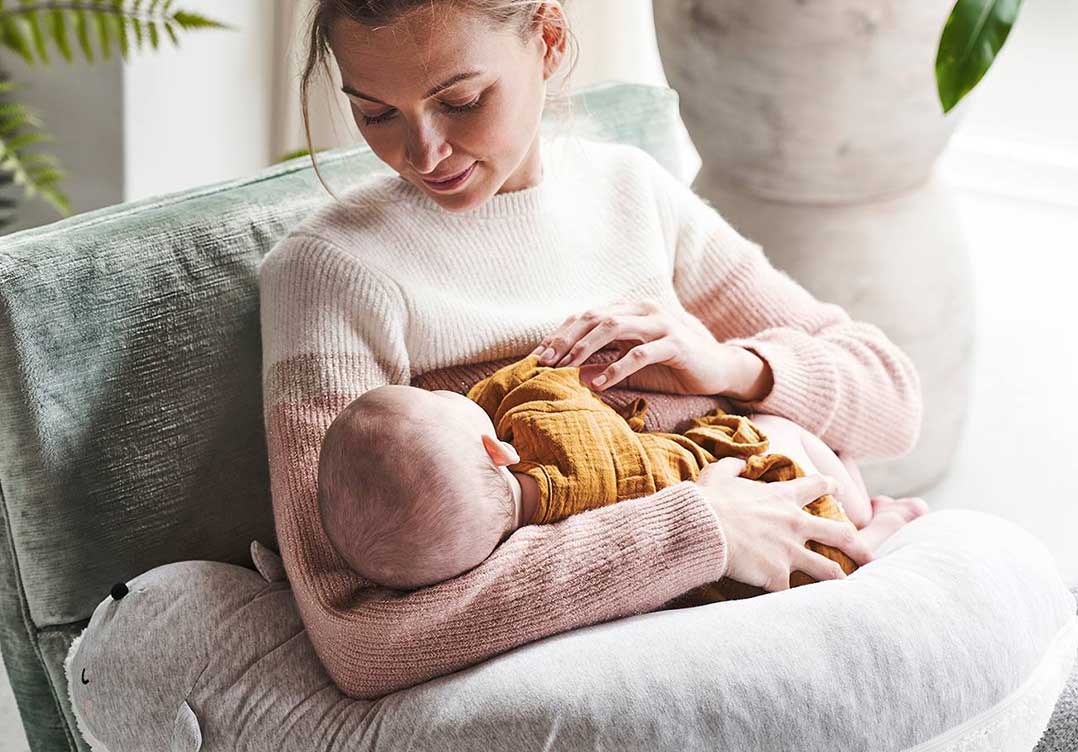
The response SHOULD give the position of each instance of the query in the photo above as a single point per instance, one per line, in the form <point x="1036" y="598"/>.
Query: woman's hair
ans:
<point x="515" y="15"/>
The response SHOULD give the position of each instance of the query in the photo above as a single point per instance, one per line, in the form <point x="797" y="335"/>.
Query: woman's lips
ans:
<point x="453" y="181"/>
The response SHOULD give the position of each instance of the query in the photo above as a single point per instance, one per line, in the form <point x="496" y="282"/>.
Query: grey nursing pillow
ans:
<point x="206" y="656"/>
<point x="189" y="655"/>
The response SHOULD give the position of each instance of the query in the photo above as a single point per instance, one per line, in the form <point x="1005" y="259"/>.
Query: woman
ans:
<point x="488" y="237"/>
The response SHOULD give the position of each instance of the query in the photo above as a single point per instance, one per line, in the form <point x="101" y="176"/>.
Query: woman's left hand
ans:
<point x="676" y="352"/>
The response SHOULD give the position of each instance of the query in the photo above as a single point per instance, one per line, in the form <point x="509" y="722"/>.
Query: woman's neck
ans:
<point x="529" y="173"/>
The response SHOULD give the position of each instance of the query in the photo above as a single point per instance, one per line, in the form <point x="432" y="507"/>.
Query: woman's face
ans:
<point x="486" y="122"/>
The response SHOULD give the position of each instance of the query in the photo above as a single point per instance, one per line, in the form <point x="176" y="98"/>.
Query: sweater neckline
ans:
<point x="531" y="200"/>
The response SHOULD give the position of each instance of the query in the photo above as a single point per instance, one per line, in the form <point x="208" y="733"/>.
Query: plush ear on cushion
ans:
<point x="267" y="563"/>
<point x="186" y="733"/>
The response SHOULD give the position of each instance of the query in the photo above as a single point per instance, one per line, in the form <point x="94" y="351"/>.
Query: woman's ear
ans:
<point x="551" y="21"/>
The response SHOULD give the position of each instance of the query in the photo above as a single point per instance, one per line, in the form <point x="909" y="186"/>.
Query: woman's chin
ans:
<point x="460" y="201"/>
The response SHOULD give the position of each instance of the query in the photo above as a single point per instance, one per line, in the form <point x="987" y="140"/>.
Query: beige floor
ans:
<point x="1017" y="458"/>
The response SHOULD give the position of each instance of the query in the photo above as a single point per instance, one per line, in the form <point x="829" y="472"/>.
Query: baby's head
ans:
<point x="412" y="486"/>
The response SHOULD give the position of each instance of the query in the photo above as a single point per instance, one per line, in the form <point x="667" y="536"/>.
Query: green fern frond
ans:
<point x="58" y="30"/>
<point x="104" y="33"/>
<point x="12" y="37"/>
<point x="82" y="31"/>
<point x="36" y="172"/>
<point x="293" y="155"/>
<point x="26" y="28"/>
<point x="170" y="28"/>
<point x="33" y="19"/>
<point x="196" y="21"/>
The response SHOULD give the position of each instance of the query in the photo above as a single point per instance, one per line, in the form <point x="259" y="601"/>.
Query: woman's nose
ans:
<point x="426" y="149"/>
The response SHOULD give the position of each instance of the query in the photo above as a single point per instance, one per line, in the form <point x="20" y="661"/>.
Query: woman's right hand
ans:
<point x="766" y="527"/>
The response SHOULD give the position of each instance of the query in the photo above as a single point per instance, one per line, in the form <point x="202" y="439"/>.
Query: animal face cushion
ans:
<point x="187" y="657"/>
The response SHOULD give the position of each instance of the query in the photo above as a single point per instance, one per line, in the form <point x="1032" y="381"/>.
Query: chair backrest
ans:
<point x="131" y="427"/>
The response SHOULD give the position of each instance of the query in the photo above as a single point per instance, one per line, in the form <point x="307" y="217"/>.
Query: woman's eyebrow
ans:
<point x="463" y="76"/>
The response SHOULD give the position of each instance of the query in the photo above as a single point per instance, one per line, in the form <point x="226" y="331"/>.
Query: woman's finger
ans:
<point x="607" y="330"/>
<point x="574" y="327"/>
<point x="841" y="535"/>
<point x="810" y="487"/>
<point x="655" y="351"/>
<point x="545" y="341"/>
<point x="778" y="581"/>
<point x="817" y="566"/>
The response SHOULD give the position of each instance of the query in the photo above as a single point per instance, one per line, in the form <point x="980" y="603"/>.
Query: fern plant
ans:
<point x="26" y="28"/>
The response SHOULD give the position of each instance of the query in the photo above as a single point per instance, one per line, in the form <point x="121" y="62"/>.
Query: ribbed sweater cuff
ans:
<point x="704" y="535"/>
<point x="805" y="380"/>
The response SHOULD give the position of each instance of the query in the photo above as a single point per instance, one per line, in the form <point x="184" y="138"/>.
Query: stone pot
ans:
<point x="819" y="127"/>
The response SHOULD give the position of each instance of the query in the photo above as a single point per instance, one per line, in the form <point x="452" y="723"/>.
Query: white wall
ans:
<point x="1020" y="136"/>
<point x="202" y="112"/>
<point x="1014" y="162"/>
<point x="1031" y="93"/>
<point x="617" y="42"/>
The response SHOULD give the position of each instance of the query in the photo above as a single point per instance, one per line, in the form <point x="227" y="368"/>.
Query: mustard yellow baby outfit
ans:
<point x="584" y="454"/>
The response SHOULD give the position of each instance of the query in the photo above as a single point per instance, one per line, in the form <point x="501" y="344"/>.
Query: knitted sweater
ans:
<point x="391" y="286"/>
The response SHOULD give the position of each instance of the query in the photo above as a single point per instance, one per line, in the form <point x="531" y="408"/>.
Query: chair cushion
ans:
<point x="959" y="636"/>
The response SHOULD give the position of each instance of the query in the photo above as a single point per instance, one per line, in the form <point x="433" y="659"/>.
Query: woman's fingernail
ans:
<point x="548" y="354"/>
<point x="599" y="380"/>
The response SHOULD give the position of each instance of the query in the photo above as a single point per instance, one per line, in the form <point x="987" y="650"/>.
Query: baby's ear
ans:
<point x="500" y="452"/>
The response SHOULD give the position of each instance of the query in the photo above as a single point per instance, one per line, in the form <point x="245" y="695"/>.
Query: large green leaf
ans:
<point x="971" y="39"/>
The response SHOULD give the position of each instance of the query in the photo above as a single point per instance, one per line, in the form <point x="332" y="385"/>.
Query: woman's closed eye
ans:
<point x="473" y="105"/>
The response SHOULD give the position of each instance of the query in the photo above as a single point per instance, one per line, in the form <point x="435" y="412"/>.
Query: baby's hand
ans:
<point x="786" y="437"/>
<point x="813" y="456"/>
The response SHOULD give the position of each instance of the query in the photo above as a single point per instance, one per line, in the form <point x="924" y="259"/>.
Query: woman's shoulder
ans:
<point x="609" y="157"/>
<point x="353" y="224"/>
<point x="631" y="175"/>
<point x="362" y="206"/>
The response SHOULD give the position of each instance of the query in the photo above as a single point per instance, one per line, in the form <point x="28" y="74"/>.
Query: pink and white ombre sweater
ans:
<point x="397" y="290"/>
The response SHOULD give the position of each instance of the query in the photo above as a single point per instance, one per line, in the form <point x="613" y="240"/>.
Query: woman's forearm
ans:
<point x="608" y="563"/>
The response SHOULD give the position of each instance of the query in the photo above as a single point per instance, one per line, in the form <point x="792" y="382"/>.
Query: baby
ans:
<point x="417" y="486"/>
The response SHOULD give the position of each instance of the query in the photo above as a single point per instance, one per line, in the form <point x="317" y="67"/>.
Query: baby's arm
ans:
<point x="814" y="456"/>
<point x="851" y="486"/>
